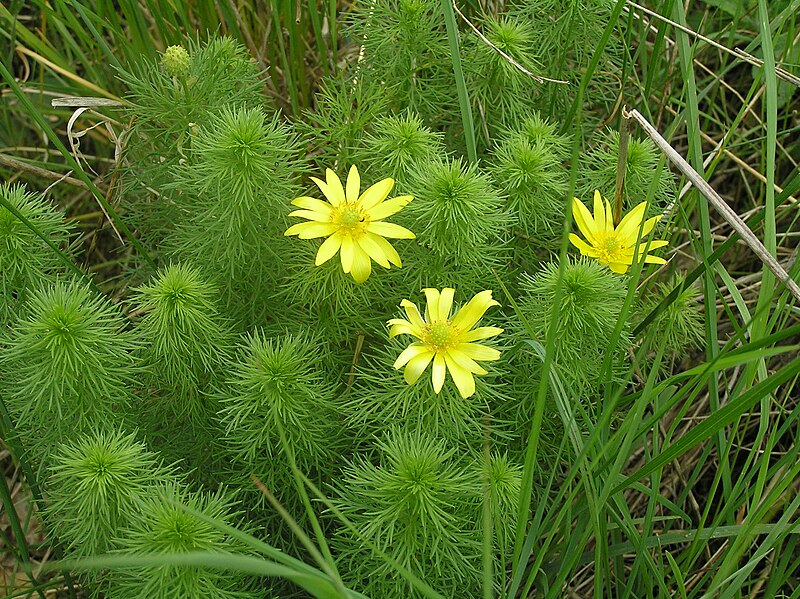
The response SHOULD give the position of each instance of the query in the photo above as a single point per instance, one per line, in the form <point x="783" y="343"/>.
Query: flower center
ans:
<point x="350" y="219"/>
<point x="610" y="248"/>
<point x="439" y="334"/>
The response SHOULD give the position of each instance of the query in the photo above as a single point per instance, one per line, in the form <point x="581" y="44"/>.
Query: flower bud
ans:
<point x="175" y="61"/>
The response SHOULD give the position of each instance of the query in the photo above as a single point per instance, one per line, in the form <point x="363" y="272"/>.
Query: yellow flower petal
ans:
<point x="609" y="228"/>
<point x="414" y="317"/>
<point x="480" y="333"/>
<point x="439" y="370"/>
<point x="311" y="230"/>
<point x="649" y="245"/>
<point x="362" y="265"/>
<point x="398" y="326"/>
<point x="474" y="310"/>
<point x="374" y="250"/>
<point x="329" y="193"/>
<point x="654" y="260"/>
<point x="477" y="351"/>
<point x="387" y="248"/>
<point x="633" y="232"/>
<point x="416" y="366"/>
<point x="389" y="207"/>
<point x="649" y="224"/>
<point x="628" y="228"/>
<point x="328" y="248"/>
<point x="334" y="184"/>
<point x="312" y="204"/>
<point x="584" y="247"/>
<point x="445" y="303"/>
<point x="584" y="220"/>
<point x="432" y="307"/>
<point x="390" y="230"/>
<point x="353" y="185"/>
<point x="640" y="249"/>
<point x="375" y="194"/>
<point x="599" y="212"/>
<point x="312" y="215"/>
<point x="619" y="268"/>
<point x="412" y="351"/>
<point x="465" y="383"/>
<point x="464" y="361"/>
<point x="346" y="253"/>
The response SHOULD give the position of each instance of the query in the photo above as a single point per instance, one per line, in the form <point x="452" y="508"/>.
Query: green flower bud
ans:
<point x="175" y="61"/>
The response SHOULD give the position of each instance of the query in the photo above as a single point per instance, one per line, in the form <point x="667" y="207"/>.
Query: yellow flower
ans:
<point x="446" y="341"/>
<point x="614" y="246"/>
<point x="352" y="223"/>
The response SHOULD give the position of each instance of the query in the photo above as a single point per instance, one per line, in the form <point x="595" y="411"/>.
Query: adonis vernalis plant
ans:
<point x="96" y="483"/>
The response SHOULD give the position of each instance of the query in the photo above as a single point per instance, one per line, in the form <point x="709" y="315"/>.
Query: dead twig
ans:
<point x="39" y="172"/>
<point x="708" y="192"/>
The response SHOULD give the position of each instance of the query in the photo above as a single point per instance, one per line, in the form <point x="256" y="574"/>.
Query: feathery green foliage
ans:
<point x="397" y="143"/>
<point x="164" y="527"/>
<point x="599" y="171"/>
<point x="185" y="344"/>
<point x="457" y="213"/>
<point x="502" y="480"/>
<point x="68" y="366"/>
<point x="415" y="505"/>
<point x="567" y="34"/>
<point x="276" y="385"/>
<point x="323" y="297"/>
<point x="527" y="166"/>
<point x="166" y="111"/>
<point x="404" y="47"/>
<point x="680" y="324"/>
<point x="590" y="304"/>
<point x="184" y="338"/>
<point x="345" y="110"/>
<point x="96" y="483"/>
<point x="27" y="263"/>
<point x="233" y="190"/>
<point x="502" y="93"/>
